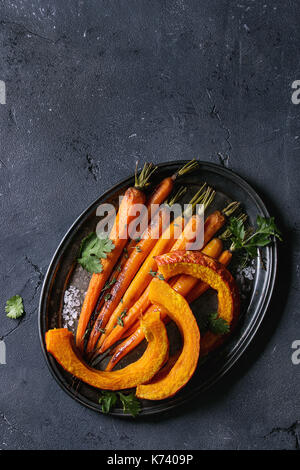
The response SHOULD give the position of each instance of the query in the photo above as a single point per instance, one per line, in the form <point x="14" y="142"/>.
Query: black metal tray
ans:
<point x="256" y="297"/>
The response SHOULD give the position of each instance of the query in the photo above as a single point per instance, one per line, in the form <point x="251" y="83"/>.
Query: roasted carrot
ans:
<point x="134" y="261"/>
<point x="136" y="296"/>
<point x="183" y="285"/>
<point x="118" y="235"/>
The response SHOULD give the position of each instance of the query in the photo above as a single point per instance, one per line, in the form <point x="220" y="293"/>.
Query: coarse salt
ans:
<point x="71" y="306"/>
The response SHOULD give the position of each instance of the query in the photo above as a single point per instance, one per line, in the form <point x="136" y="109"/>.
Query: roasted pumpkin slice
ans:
<point x="163" y="372"/>
<point x="60" y="343"/>
<point x="162" y="294"/>
<point x="212" y="273"/>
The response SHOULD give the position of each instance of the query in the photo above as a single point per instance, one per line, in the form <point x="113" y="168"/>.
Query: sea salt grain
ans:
<point x="71" y="306"/>
<point x="249" y="272"/>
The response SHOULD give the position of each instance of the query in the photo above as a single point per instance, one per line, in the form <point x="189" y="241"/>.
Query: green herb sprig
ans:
<point x="249" y="241"/>
<point x="129" y="402"/>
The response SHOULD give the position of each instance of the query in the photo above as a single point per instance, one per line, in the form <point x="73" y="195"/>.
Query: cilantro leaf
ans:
<point x="107" y="401"/>
<point x="218" y="325"/>
<point x="92" y="264"/>
<point x="14" y="307"/>
<point x="130" y="404"/>
<point x="92" y="249"/>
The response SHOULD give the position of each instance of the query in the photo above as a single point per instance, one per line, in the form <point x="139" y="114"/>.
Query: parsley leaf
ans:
<point x="92" y="249"/>
<point x="250" y="241"/>
<point x="218" y="325"/>
<point x="14" y="307"/>
<point x="130" y="404"/>
<point x="107" y="401"/>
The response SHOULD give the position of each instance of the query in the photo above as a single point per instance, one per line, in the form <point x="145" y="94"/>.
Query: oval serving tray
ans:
<point x="62" y="271"/>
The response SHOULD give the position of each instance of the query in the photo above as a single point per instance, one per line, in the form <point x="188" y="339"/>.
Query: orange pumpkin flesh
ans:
<point x="163" y="295"/>
<point x="60" y="343"/>
<point x="213" y="273"/>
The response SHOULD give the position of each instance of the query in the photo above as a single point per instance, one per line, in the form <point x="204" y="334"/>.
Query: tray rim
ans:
<point x="242" y="345"/>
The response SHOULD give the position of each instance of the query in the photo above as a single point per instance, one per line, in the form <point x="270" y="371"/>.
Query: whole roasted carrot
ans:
<point x="119" y="236"/>
<point x="140" y="283"/>
<point x="183" y="285"/>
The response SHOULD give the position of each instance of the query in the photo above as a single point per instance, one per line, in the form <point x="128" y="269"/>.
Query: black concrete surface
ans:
<point x="93" y="86"/>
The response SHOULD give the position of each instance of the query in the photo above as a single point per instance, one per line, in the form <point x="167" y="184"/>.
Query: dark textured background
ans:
<point x="91" y="87"/>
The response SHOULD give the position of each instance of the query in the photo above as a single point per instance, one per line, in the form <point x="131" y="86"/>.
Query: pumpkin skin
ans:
<point x="60" y="343"/>
<point x="163" y="295"/>
<point x="212" y="273"/>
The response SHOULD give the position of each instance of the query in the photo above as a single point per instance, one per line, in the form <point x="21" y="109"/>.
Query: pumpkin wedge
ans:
<point x="60" y="343"/>
<point x="213" y="273"/>
<point x="162" y="295"/>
